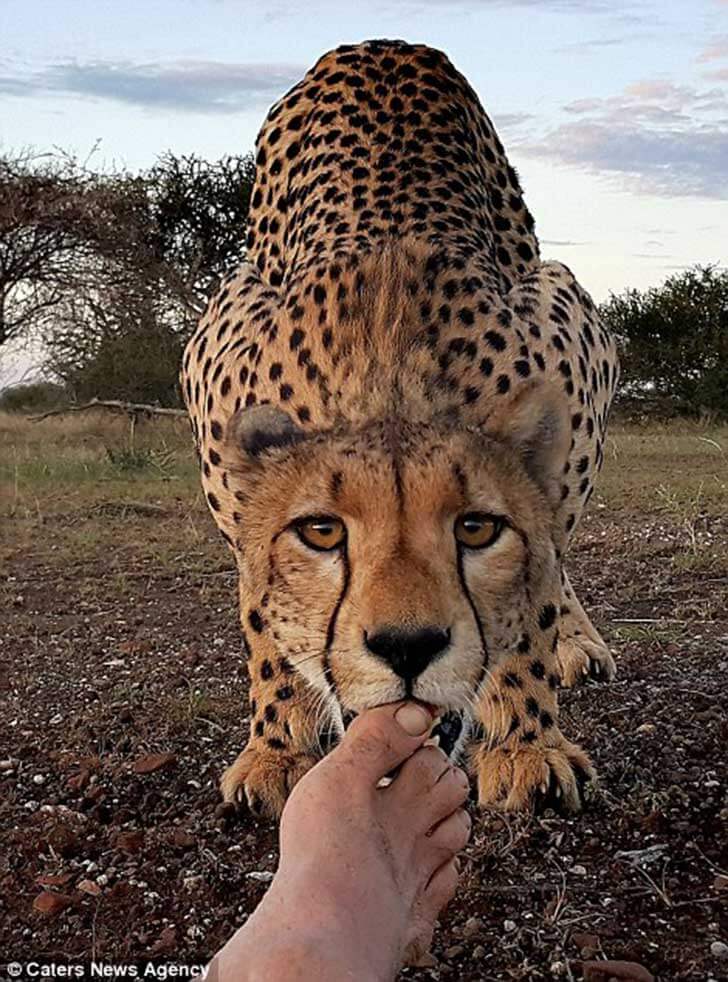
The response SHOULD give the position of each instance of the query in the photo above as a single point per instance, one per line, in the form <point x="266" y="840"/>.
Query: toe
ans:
<point x="419" y="775"/>
<point x="431" y="781"/>
<point x="438" y="893"/>
<point x="449" y="836"/>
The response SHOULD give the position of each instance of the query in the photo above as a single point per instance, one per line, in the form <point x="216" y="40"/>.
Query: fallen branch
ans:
<point x="130" y="408"/>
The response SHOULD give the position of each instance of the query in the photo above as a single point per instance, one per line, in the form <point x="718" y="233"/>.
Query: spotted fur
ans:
<point x="394" y="353"/>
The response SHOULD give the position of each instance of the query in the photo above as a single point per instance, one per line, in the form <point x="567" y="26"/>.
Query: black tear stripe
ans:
<point x="523" y="536"/>
<point x="483" y="645"/>
<point x="331" y="629"/>
<point x="398" y="484"/>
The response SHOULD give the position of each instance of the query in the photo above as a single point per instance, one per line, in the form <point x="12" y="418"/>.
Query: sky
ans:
<point x="614" y="112"/>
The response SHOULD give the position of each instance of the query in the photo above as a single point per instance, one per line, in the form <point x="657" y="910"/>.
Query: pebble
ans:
<point x="473" y="927"/>
<point x="454" y="952"/>
<point x="479" y="951"/>
<point x="7" y="765"/>
<point x="578" y="870"/>
<point x="509" y="926"/>
<point x="193" y="882"/>
<point x="261" y="876"/>
<point x="719" y="949"/>
<point x="38" y="779"/>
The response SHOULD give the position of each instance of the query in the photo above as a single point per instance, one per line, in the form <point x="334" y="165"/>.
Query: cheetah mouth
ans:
<point x="445" y="731"/>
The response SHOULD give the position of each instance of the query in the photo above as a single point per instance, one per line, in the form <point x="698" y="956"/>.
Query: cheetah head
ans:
<point x="397" y="559"/>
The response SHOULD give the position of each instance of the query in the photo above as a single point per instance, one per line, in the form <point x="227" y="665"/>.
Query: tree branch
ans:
<point x="130" y="408"/>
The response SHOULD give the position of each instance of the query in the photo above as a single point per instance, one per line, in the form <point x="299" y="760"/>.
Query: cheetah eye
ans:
<point x="321" y="532"/>
<point x="477" y="530"/>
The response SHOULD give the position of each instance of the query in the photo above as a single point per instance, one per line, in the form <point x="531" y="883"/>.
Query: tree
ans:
<point x="198" y="214"/>
<point x="112" y="270"/>
<point x="674" y="339"/>
<point x="42" y="211"/>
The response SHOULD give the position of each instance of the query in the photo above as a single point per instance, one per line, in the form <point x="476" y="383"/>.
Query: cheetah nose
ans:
<point x="408" y="652"/>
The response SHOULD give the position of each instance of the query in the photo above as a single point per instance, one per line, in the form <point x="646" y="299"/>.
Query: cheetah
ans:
<point x="400" y="411"/>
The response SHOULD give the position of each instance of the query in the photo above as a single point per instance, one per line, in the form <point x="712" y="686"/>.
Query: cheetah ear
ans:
<point x="535" y="423"/>
<point x="261" y="428"/>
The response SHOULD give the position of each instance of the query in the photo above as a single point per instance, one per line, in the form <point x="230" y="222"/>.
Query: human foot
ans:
<point x="363" y="871"/>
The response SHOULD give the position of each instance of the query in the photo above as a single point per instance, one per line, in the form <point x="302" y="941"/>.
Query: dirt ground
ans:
<point x="122" y="690"/>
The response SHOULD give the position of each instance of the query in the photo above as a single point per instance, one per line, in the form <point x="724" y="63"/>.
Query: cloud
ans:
<point x="192" y="86"/>
<point x="561" y="242"/>
<point x="584" y="47"/>
<point x="509" y="121"/>
<point x="716" y="50"/>
<point x="654" y="137"/>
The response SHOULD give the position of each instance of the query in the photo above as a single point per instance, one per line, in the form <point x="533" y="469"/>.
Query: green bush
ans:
<point x="33" y="397"/>
<point x="674" y="341"/>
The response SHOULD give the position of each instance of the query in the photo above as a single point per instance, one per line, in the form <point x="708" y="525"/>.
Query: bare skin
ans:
<point x="364" y="871"/>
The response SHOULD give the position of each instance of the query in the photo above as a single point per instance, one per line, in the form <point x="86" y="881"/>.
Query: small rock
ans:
<point x="183" y="839"/>
<point x="7" y="765"/>
<point x="52" y="903"/>
<point x="720" y="882"/>
<point x="79" y="781"/>
<point x="57" y="880"/>
<point x="719" y="949"/>
<point x="166" y="942"/>
<point x="588" y="944"/>
<point x="509" y="926"/>
<point x="39" y="779"/>
<point x="102" y="880"/>
<point x="578" y="870"/>
<point x="479" y="952"/>
<point x="88" y="886"/>
<point x="473" y="927"/>
<point x="615" y="972"/>
<point x="131" y="841"/>
<point x="261" y="876"/>
<point x="193" y="882"/>
<point x="557" y="969"/>
<point x="55" y="720"/>
<point x="454" y="952"/>
<point x="646" y="728"/>
<point x="153" y="762"/>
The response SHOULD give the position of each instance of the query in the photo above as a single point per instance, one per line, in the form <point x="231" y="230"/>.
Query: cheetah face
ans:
<point x="398" y="559"/>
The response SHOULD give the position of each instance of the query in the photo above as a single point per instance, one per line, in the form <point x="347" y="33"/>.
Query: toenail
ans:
<point x="414" y="719"/>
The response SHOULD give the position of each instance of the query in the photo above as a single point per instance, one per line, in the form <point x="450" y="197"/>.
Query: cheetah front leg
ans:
<point x="524" y="760"/>
<point x="286" y="738"/>
<point x="581" y="652"/>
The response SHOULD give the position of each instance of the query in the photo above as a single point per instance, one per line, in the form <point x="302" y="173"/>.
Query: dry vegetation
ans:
<point x="119" y="641"/>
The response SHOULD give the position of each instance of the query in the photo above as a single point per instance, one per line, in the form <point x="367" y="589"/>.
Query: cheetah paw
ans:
<point x="518" y="776"/>
<point x="580" y="659"/>
<point x="264" y="780"/>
